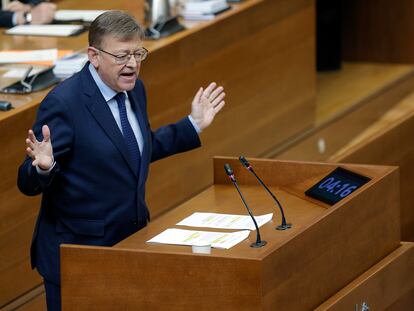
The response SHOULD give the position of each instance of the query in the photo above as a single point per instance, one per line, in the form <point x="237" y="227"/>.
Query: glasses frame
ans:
<point x="129" y="55"/>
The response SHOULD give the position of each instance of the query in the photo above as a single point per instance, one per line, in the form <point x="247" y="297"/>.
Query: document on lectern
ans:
<point x="224" y="240"/>
<point x="224" y="221"/>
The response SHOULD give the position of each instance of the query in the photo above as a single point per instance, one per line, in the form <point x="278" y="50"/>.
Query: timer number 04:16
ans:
<point x="336" y="187"/>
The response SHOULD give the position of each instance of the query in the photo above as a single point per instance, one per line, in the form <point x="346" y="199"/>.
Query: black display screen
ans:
<point x="337" y="185"/>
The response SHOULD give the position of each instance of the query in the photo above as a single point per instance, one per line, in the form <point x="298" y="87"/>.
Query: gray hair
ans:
<point x="116" y="23"/>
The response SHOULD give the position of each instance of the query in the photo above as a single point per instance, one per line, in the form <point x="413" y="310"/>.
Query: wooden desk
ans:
<point x="326" y="248"/>
<point x="262" y="52"/>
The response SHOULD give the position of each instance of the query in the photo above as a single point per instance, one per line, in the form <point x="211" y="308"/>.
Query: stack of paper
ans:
<point x="47" y="55"/>
<point x="224" y="221"/>
<point x="77" y="15"/>
<point x="224" y="240"/>
<point x="68" y="65"/>
<point x="203" y="10"/>
<point x="46" y="30"/>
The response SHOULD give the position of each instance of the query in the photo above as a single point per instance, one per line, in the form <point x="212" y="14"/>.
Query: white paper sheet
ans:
<point x="28" y="56"/>
<point x="83" y="15"/>
<point x="224" y="240"/>
<point x="224" y="221"/>
<point x="45" y="30"/>
<point x="19" y="73"/>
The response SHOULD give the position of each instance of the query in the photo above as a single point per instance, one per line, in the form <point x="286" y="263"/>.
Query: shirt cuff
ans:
<point x="45" y="172"/>
<point x="14" y="19"/>
<point x="197" y="129"/>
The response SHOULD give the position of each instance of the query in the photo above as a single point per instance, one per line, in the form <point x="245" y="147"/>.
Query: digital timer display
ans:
<point x="336" y="185"/>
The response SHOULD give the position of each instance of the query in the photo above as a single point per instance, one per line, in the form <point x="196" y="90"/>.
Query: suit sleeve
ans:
<point x="6" y="19"/>
<point x="54" y="113"/>
<point x="174" y="138"/>
<point x="170" y="139"/>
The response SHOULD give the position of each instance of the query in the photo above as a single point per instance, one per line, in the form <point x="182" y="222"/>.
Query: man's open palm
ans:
<point x="41" y="152"/>
<point x="206" y="104"/>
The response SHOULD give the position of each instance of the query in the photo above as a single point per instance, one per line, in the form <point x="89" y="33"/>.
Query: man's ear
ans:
<point x="93" y="55"/>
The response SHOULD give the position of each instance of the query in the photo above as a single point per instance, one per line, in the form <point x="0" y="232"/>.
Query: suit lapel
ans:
<point x="145" y="160"/>
<point x="103" y="115"/>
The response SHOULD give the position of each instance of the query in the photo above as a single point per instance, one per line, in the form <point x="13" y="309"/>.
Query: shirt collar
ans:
<point x="106" y="91"/>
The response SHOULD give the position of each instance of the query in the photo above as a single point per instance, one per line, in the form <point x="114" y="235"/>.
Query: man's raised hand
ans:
<point x="206" y="104"/>
<point x="41" y="152"/>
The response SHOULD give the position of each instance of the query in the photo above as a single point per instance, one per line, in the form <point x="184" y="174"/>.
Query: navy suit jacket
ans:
<point x="93" y="193"/>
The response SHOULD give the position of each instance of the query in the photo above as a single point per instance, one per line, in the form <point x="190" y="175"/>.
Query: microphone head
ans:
<point x="228" y="169"/>
<point x="244" y="161"/>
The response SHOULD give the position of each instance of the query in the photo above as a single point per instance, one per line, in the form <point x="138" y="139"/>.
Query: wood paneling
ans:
<point x="386" y="286"/>
<point x="389" y="141"/>
<point x="377" y="130"/>
<point x="18" y="213"/>
<point x="378" y="30"/>
<point x="35" y="300"/>
<point x="261" y="64"/>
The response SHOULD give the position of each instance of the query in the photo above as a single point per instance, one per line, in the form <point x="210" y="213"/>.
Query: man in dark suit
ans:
<point x="91" y="145"/>
<point x="26" y="12"/>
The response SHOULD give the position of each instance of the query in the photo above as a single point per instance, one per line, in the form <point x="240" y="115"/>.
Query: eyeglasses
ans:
<point x="122" y="59"/>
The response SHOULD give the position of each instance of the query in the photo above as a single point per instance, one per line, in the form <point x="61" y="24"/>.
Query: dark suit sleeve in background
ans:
<point x="6" y="17"/>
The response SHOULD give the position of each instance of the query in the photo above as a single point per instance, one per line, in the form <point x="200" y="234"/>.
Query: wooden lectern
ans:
<point x="298" y="269"/>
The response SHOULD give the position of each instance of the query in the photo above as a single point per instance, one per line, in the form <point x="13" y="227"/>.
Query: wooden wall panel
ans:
<point x="262" y="66"/>
<point x="378" y="30"/>
<point x="378" y="131"/>
<point x="385" y="286"/>
<point x="17" y="212"/>
<point x="390" y="146"/>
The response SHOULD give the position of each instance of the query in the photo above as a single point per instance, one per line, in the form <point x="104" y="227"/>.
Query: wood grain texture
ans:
<point x="384" y="286"/>
<point x="18" y="213"/>
<point x="376" y="129"/>
<point x="261" y="51"/>
<point x="378" y="30"/>
<point x="389" y="141"/>
<point x="261" y="68"/>
<point x="348" y="102"/>
<point x="325" y="242"/>
<point x="34" y="300"/>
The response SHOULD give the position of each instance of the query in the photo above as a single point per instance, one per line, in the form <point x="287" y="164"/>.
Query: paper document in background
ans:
<point x="67" y="66"/>
<point x="224" y="221"/>
<point x="80" y="15"/>
<point x="28" y="56"/>
<point x="33" y="57"/>
<point x="45" y="30"/>
<point x="224" y="240"/>
<point x="20" y="73"/>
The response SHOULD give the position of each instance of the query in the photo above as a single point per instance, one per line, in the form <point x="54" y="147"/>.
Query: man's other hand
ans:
<point x="43" y="13"/>
<point x="206" y="104"/>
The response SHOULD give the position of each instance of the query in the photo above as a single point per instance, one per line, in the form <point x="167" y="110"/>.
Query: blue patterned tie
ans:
<point x="127" y="131"/>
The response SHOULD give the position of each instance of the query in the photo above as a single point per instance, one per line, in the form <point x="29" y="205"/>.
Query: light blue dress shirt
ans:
<point x="108" y="95"/>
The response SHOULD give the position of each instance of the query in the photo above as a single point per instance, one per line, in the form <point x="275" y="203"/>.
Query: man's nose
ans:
<point x="132" y="61"/>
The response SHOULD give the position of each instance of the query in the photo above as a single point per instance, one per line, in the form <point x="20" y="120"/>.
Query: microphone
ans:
<point x="283" y="225"/>
<point x="259" y="242"/>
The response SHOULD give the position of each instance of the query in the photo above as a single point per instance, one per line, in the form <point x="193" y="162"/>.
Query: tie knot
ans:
<point x="120" y="98"/>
